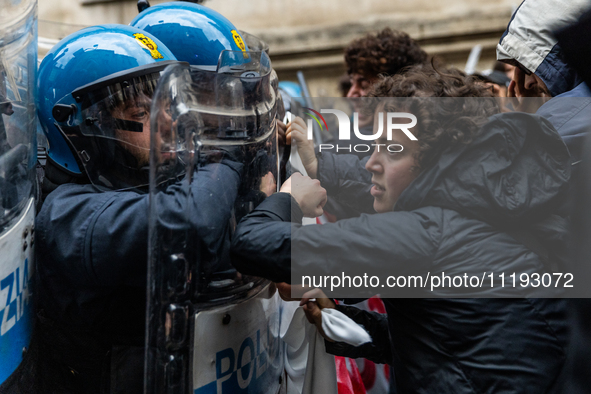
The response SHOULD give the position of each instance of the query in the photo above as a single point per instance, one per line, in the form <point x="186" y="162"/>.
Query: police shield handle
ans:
<point x="297" y="131"/>
<point x="281" y="133"/>
<point x="289" y="292"/>
<point x="142" y="5"/>
<point x="307" y="192"/>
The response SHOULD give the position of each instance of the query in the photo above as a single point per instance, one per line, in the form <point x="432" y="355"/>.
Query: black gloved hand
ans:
<point x="232" y="156"/>
<point x="216" y="154"/>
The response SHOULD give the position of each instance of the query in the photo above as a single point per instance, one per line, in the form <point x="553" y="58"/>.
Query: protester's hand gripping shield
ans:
<point x="18" y="148"/>
<point x="214" y="147"/>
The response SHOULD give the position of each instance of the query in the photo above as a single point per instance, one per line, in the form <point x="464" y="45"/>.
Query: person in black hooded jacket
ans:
<point x="450" y="203"/>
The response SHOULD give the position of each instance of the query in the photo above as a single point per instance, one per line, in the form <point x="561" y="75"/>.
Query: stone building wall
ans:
<point x="310" y="35"/>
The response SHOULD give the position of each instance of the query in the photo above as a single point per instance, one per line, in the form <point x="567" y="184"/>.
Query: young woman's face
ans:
<point x="392" y="172"/>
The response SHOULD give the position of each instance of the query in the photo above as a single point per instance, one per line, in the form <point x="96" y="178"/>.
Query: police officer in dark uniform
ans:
<point x="95" y="89"/>
<point x="231" y="85"/>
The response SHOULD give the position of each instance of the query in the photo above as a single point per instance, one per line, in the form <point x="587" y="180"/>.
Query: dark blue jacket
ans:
<point x="570" y="114"/>
<point x="92" y="253"/>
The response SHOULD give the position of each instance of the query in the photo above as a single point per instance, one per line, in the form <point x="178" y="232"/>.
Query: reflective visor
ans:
<point x="108" y="122"/>
<point x="125" y="108"/>
<point x="237" y="102"/>
<point x="92" y="106"/>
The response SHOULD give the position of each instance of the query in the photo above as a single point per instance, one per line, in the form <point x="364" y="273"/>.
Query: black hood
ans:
<point x="514" y="173"/>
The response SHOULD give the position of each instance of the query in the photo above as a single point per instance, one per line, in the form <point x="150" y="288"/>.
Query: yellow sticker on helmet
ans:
<point x="238" y="40"/>
<point x="149" y="44"/>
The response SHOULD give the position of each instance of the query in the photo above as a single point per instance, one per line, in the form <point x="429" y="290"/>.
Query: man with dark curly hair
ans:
<point x="385" y="53"/>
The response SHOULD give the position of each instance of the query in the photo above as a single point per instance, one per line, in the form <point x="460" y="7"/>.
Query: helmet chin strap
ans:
<point x="125" y="172"/>
<point x="128" y="125"/>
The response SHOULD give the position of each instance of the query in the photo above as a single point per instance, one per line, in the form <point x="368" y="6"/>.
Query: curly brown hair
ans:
<point x="442" y="122"/>
<point x="385" y="53"/>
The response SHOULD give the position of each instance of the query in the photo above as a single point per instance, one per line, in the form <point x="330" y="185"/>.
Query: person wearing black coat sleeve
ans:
<point x="273" y="252"/>
<point x="455" y="215"/>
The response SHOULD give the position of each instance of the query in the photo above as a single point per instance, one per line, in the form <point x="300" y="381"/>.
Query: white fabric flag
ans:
<point x="309" y="368"/>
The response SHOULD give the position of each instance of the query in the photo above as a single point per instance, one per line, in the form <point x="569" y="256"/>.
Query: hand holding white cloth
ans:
<point x="309" y="368"/>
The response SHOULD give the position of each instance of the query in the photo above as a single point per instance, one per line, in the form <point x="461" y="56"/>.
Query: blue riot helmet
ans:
<point x="95" y="88"/>
<point x="291" y="88"/>
<point x="202" y="37"/>
<point x="289" y="91"/>
<point x="194" y="33"/>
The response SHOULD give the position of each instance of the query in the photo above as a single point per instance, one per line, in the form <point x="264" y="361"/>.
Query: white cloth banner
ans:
<point x="309" y="368"/>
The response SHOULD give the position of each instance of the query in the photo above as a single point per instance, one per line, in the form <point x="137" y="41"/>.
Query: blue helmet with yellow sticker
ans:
<point x="194" y="33"/>
<point x="89" y="84"/>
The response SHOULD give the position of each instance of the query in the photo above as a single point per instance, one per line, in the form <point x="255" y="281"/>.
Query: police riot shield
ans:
<point x="18" y="154"/>
<point x="254" y="43"/>
<point x="213" y="159"/>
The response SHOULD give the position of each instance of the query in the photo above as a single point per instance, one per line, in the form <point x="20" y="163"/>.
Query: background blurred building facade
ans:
<point x="310" y="35"/>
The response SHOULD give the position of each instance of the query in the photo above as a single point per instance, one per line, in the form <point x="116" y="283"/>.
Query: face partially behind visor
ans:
<point x="227" y="117"/>
<point x="230" y="109"/>
<point x="107" y="124"/>
<point x="218" y="128"/>
<point x="237" y="102"/>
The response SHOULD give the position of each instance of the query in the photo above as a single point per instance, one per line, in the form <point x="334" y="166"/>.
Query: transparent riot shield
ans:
<point x="18" y="153"/>
<point x="254" y="43"/>
<point x="213" y="160"/>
